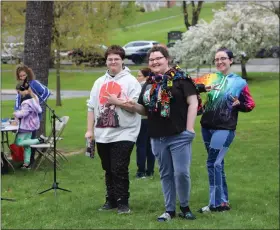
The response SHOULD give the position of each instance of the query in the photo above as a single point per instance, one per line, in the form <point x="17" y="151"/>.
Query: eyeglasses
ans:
<point x="156" y="59"/>
<point x="220" y="59"/>
<point x="113" y="59"/>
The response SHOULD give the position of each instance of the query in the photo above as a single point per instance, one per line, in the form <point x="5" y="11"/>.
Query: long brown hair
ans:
<point x="27" y="70"/>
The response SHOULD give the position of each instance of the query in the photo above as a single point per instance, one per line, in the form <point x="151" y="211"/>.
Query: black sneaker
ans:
<point x="150" y="174"/>
<point x="140" y="175"/>
<point x="187" y="215"/>
<point x="123" y="209"/>
<point x="224" y="207"/>
<point x="108" y="206"/>
<point x="41" y="140"/>
<point x="24" y="166"/>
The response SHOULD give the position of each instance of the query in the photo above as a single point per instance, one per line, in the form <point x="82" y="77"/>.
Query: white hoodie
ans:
<point x="112" y="123"/>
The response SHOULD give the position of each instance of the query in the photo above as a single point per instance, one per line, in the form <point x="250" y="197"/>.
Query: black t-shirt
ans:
<point x="176" y="123"/>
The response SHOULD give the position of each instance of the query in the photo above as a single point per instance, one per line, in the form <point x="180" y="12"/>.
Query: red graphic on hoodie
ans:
<point x="108" y="116"/>
<point x="111" y="88"/>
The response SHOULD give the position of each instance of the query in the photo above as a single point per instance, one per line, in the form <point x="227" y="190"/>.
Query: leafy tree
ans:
<point x="196" y="9"/>
<point x="83" y="25"/>
<point x="12" y="21"/>
<point x="37" y="45"/>
<point x="240" y="27"/>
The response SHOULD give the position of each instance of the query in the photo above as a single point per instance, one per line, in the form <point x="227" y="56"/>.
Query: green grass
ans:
<point x="158" y="30"/>
<point x="252" y="168"/>
<point x="69" y="80"/>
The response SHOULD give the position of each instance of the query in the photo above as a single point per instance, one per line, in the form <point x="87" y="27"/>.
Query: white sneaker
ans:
<point x="204" y="209"/>
<point x="164" y="217"/>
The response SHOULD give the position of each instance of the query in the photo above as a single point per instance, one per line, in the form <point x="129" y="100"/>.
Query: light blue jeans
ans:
<point x="173" y="154"/>
<point x="217" y="143"/>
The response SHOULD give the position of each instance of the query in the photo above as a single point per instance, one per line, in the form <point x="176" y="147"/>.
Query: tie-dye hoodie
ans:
<point x="28" y="114"/>
<point x="219" y="112"/>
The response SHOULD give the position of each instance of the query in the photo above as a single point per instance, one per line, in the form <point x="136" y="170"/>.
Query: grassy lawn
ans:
<point x="161" y="28"/>
<point x="252" y="167"/>
<point x="69" y="80"/>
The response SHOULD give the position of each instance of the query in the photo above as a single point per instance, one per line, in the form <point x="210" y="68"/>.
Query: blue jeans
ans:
<point x="173" y="154"/>
<point x="144" y="150"/>
<point x="217" y="143"/>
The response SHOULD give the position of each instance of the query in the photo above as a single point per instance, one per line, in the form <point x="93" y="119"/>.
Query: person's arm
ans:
<point x="206" y="88"/>
<point x="192" y="112"/>
<point x="17" y="102"/>
<point x="135" y="107"/>
<point x="90" y="125"/>
<point x="33" y="95"/>
<point x="40" y="90"/>
<point x="23" y="112"/>
<point x="190" y="93"/>
<point x="90" y="115"/>
<point x="245" y="102"/>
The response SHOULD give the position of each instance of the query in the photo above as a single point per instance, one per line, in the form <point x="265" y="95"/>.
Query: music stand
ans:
<point x="55" y="183"/>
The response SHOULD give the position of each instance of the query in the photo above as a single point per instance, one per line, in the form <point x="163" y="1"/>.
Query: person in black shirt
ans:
<point x="144" y="155"/>
<point x="171" y="105"/>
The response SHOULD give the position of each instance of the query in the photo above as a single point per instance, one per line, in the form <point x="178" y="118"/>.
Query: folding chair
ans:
<point x="46" y="150"/>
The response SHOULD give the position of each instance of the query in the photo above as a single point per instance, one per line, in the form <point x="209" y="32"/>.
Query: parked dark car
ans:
<point x="272" y="52"/>
<point x="140" y="56"/>
<point x="94" y="55"/>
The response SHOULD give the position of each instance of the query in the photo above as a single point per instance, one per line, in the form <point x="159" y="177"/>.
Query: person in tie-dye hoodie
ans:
<point x="219" y="121"/>
<point x="28" y="115"/>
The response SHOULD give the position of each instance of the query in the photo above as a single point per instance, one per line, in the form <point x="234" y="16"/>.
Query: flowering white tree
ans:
<point x="241" y="27"/>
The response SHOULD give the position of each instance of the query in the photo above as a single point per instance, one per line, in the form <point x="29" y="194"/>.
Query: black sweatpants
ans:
<point x="115" y="159"/>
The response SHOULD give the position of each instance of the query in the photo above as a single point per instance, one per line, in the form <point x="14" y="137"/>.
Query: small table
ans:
<point x="5" y="128"/>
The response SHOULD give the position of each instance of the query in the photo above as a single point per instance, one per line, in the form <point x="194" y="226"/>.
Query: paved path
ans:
<point x="254" y="65"/>
<point x="9" y="94"/>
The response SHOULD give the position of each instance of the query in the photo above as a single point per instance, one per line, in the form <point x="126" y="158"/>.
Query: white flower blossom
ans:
<point x="242" y="28"/>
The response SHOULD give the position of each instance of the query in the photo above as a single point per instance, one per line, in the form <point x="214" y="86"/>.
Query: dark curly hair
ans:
<point x="27" y="70"/>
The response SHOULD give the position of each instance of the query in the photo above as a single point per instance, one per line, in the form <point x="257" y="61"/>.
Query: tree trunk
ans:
<point x="168" y="4"/>
<point x="196" y="12"/>
<point x="243" y="68"/>
<point x="57" y="66"/>
<point x="186" y="15"/>
<point x="37" y="45"/>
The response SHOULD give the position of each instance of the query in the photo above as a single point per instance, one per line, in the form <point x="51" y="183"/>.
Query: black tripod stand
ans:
<point x="55" y="183"/>
<point x="8" y="199"/>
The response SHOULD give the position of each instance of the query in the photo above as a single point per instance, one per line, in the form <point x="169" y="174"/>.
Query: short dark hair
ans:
<point x="159" y="48"/>
<point x="115" y="49"/>
<point x="227" y="51"/>
<point x="146" y="72"/>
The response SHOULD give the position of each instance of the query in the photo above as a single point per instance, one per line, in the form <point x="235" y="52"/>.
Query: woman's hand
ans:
<point x="114" y="100"/>
<point x="212" y="87"/>
<point x="236" y="102"/>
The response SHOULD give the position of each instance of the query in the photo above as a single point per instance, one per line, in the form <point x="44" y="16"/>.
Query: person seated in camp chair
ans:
<point x="29" y="121"/>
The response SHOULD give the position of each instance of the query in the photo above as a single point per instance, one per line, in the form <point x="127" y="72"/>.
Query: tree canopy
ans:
<point x="241" y="27"/>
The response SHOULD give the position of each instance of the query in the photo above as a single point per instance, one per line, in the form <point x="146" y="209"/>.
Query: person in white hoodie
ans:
<point x="114" y="128"/>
